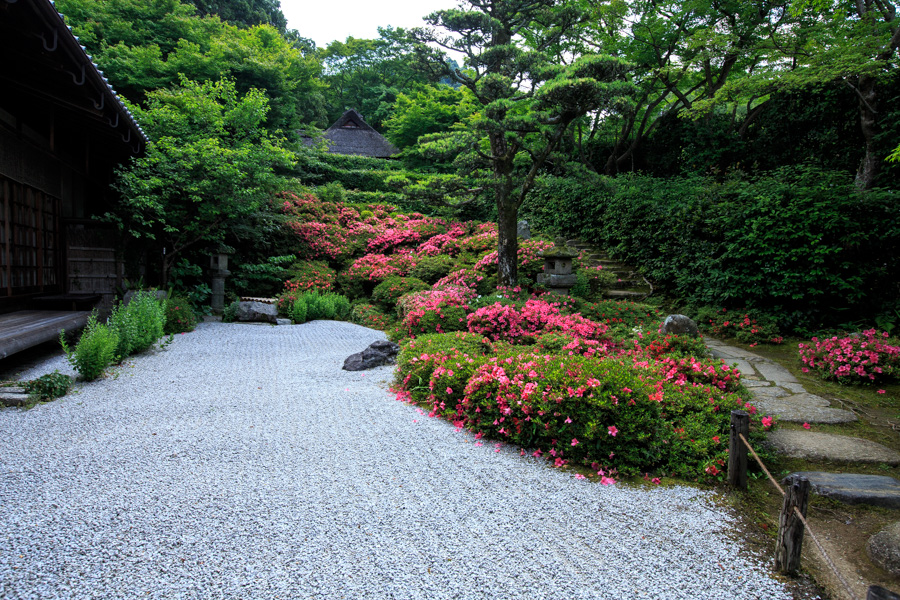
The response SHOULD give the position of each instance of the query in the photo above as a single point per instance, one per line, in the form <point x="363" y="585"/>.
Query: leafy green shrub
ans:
<point x="180" y="317"/>
<point x="95" y="350"/>
<point x="138" y="324"/>
<point x="592" y="282"/>
<point x="229" y="314"/>
<point x="50" y="386"/>
<point x="263" y="279"/>
<point x="431" y="268"/>
<point x="386" y="293"/>
<point x="779" y="244"/>
<point x="331" y="192"/>
<point x="370" y="315"/>
<point x="298" y="311"/>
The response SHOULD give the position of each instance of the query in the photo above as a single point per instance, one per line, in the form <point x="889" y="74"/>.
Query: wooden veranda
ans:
<point x="26" y="328"/>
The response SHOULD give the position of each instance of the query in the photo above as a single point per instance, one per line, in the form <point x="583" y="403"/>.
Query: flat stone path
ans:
<point x="775" y="389"/>
<point x="778" y="393"/>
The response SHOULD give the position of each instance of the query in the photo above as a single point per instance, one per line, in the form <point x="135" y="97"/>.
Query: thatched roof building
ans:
<point x="352" y="135"/>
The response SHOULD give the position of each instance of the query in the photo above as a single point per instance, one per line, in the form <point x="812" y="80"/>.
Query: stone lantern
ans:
<point x="218" y="264"/>
<point x="558" y="275"/>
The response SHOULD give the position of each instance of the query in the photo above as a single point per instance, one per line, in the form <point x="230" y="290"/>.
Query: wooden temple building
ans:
<point x="63" y="131"/>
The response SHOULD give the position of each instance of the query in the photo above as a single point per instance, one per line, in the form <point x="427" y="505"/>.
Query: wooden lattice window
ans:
<point x="30" y="254"/>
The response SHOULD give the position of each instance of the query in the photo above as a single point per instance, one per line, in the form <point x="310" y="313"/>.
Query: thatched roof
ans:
<point x="352" y="135"/>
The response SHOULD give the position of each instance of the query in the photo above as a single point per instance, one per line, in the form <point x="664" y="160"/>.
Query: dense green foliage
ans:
<point x="138" y="324"/>
<point x="95" y="350"/>
<point x="781" y="244"/>
<point x="49" y="386"/>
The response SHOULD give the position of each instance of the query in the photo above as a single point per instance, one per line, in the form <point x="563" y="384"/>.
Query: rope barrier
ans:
<point x="803" y="520"/>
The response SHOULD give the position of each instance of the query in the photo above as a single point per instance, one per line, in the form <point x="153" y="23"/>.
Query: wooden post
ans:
<point x="790" y="527"/>
<point x="876" y="592"/>
<point x="737" y="451"/>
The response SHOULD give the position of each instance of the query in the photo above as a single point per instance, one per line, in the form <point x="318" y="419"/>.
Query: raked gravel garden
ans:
<point x="242" y="462"/>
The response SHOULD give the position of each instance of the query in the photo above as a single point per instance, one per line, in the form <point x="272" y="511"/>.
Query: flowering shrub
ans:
<point x="593" y="406"/>
<point x="865" y="357"/>
<point x="630" y="314"/>
<point x="572" y="408"/>
<point x="310" y="275"/>
<point x="518" y="325"/>
<point x="435" y="311"/>
<point x="369" y="315"/>
<point x="656" y="345"/>
<point x="468" y="278"/>
<point x="180" y="317"/>
<point x="378" y="267"/>
<point x="739" y="325"/>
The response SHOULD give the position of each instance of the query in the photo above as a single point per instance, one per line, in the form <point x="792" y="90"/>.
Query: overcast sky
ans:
<point x="327" y="20"/>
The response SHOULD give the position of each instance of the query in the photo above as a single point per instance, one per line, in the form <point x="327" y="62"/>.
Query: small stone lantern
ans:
<point x="218" y="264"/>
<point x="557" y="275"/>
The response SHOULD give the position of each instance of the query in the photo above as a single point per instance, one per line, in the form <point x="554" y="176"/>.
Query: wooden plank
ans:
<point x="24" y="329"/>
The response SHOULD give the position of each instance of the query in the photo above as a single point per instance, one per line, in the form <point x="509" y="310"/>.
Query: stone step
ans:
<point x="630" y="283"/>
<point x="818" y="446"/>
<point x="853" y="488"/>
<point x="8" y="398"/>
<point x="625" y="295"/>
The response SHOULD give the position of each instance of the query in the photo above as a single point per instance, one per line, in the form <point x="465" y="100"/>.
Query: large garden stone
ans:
<point x="884" y="548"/>
<point x="249" y="311"/>
<point x="680" y="325"/>
<point x="379" y="353"/>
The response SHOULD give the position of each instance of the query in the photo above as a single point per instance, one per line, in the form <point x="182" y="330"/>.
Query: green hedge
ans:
<point x="801" y="243"/>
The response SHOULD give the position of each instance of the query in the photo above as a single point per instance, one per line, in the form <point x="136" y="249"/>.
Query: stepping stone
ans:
<point x="15" y="398"/>
<point x="884" y="548"/>
<point x="771" y="392"/>
<point x="801" y="408"/>
<point x="812" y="445"/>
<point x="794" y="387"/>
<point x="754" y="383"/>
<point x="775" y="373"/>
<point x="852" y="488"/>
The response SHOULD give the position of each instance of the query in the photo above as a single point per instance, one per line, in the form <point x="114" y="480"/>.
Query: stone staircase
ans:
<point x="630" y="284"/>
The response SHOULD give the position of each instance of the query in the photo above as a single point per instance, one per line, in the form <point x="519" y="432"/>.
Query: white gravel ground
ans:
<point x="242" y="462"/>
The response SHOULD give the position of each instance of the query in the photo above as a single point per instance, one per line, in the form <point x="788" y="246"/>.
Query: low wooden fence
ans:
<point x="792" y="523"/>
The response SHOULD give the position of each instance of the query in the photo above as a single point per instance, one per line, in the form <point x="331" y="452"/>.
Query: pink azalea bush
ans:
<point x="861" y="358"/>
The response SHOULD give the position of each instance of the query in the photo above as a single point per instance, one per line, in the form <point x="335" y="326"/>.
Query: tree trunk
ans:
<point x="507" y="243"/>
<point x="868" y="121"/>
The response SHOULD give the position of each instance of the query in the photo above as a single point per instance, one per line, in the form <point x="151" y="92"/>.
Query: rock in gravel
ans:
<point x="257" y="311"/>
<point x="378" y="354"/>
<point x="884" y="548"/>
<point x="680" y="325"/>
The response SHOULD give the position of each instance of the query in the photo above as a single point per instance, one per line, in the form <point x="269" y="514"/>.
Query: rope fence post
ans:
<point x="790" y="525"/>
<point x="737" y="451"/>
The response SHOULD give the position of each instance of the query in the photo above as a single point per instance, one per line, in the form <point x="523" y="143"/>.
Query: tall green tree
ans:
<point x="527" y="99"/>
<point x="245" y="13"/>
<point x="369" y="74"/>
<point x="145" y="45"/>
<point x="209" y="166"/>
